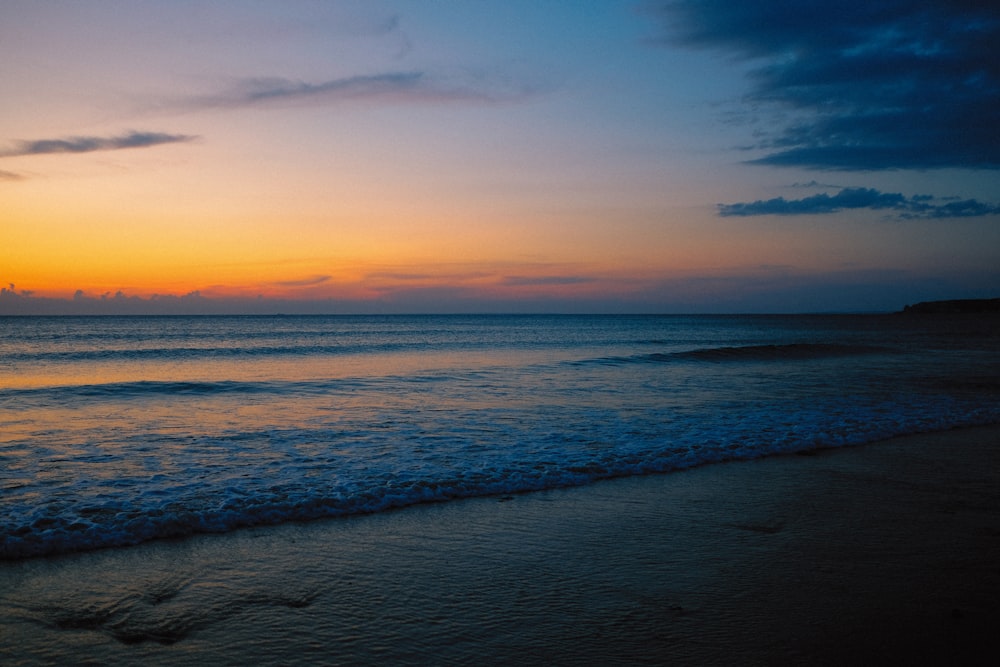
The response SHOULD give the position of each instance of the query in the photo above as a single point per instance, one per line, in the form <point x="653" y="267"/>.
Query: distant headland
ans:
<point x="954" y="306"/>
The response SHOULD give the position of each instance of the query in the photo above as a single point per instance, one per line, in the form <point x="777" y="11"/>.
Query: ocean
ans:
<point x="120" y="430"/>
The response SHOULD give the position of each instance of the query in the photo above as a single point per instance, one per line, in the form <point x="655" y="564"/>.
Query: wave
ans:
<point x="226" y="352"/>
<point x="62" y="394"/>
<point x="75" y="394"/>
<point x="753" y="353"/>
<point x="789" y="352"/>
<point x="60" y="528"/>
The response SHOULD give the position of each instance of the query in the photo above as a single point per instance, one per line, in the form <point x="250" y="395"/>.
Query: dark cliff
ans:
<point x="954" y="306"/>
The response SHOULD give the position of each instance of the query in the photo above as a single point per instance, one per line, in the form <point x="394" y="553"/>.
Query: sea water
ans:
<point x="118" y="430"/>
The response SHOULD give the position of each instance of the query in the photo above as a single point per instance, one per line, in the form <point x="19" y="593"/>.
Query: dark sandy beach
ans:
<point x="882" y="554"/>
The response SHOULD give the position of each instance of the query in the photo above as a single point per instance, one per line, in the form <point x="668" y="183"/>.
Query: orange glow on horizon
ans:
<point x="105" y="239"/>
<point x="362" y="281"/>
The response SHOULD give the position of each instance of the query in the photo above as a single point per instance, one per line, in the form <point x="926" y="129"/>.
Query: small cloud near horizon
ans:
<point x="907" y="208"/>
<point x="84" y="144"/>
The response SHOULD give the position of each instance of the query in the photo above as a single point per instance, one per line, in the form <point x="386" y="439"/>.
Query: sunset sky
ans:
<point x="478" y="156"/>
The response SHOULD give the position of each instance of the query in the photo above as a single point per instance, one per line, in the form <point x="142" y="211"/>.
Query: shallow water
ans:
<point x="879" y="555"/>
<point x="114" y="431"/>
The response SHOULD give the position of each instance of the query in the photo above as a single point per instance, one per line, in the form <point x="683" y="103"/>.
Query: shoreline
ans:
<point x="879" y="552"/>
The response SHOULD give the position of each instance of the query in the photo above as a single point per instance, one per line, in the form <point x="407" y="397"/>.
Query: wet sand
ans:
<point x="882" y="554"/>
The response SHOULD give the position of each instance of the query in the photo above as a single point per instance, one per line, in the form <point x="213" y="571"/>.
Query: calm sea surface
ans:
<point x="114" y="431"/>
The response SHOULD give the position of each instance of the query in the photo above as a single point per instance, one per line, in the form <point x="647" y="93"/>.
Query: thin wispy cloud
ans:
<point x="91" y="144"/>
<point x="10" y="176"/>
<point x="864" y="85"/>
<point x="522" y="281"/>
<point x="303" y="282"/>
<point x="386" y="87"/>
<point x="411" y="276"/>
<point x="813" y="184"/>
<point x="915" y="207"/>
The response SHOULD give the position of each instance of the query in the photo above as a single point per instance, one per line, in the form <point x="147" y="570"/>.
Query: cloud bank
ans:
<point x="90" y="144"/>
<point x="918" y="206"/>
<point x="864" y="85"/>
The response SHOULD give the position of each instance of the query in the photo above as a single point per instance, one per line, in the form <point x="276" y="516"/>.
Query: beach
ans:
<point x="878" y="554"/>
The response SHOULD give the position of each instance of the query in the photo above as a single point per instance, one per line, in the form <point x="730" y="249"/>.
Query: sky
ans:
<point x="370" y="156"/>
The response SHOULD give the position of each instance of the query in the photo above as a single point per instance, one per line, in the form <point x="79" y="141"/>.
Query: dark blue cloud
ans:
<point x="90" y="144"/>
<point x="865" y="85"/>
<point x="918" y="206"/>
